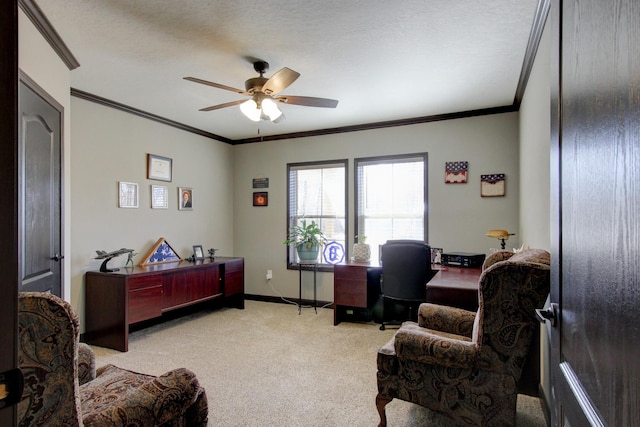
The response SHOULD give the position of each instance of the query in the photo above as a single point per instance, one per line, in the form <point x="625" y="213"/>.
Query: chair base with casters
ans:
<point x="63" y="386"/>
<point x="392" y="309"/>
<point x="466" y="365"/>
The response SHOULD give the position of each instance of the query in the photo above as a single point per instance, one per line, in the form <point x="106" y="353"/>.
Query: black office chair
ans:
<point x="406" y="269"/>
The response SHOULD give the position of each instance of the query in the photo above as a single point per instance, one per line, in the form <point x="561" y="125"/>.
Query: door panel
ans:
<point x="39" y="191"/>
<point x="596" y="144"/>
<point x="8" y="197"/>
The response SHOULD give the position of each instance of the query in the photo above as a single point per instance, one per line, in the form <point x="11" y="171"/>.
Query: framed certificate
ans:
<point x="159" y="168"/>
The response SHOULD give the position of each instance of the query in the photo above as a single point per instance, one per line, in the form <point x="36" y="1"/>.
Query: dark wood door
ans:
<point x="596" y="212"/>
<point x="39" y="160"/>
<point x="8" y="197"/>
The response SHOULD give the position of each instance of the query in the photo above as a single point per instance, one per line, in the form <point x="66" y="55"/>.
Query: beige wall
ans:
<point x="535" y="127"/>
<point x="42" y="64"/>
<point x="109" y="146"/>
<point x="458" y="216"/>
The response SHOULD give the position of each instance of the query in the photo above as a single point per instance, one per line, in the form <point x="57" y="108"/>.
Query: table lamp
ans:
<point x="501" y="235"/>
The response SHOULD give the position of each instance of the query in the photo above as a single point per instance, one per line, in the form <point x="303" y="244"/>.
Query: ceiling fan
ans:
<point x="264" y="94"/>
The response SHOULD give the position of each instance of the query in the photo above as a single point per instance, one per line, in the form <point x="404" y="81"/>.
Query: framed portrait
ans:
<point x="185" y="198"/>
<point x="127" y="194"/>
<point x="159" y="197"/>
<point x="492" y="185"/>
<point x="198" y="253"/>
<point x="159" y="168"/>
<point x="260" y="198"/>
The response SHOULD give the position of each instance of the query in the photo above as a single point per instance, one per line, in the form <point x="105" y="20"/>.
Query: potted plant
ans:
<point x="361" y="250"/>
<point x="307" y="239"/>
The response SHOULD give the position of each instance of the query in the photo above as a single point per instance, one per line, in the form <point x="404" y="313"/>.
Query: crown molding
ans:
<point x="127" y="109"/>
<point x="37" y="17"/>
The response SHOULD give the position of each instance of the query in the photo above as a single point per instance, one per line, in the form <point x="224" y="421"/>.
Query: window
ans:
<point x="391" y="199"/>
<point x="317" y="192"/>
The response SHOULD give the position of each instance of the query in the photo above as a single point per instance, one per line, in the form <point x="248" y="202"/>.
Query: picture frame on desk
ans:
<point x="436" y="255"/>
<point x="198" y="252"/>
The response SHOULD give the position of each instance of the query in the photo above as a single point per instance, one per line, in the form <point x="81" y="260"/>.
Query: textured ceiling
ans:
<point x="383" y="60"/>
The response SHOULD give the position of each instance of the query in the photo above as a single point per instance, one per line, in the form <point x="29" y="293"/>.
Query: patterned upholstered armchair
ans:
<point x="466" y="365"/>
<point x="63" y="387"/>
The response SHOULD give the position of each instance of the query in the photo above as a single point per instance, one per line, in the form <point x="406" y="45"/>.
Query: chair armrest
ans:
<point x="146" y="400"/>
<point x="417" y="344"/>
<point x="443" y="318"/>
<point x="86" y="364"/>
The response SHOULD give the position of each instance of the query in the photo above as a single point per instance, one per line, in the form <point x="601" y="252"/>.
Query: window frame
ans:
<point x="387" y="160"/>
<point x="292" y="264"/>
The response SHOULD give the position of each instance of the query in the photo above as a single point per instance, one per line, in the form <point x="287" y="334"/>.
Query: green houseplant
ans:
<point x="307" y="239"/>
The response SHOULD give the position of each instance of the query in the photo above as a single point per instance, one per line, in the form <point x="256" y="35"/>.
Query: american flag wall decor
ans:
<point x="455" y="172"/>
<point x="492" y="185"/>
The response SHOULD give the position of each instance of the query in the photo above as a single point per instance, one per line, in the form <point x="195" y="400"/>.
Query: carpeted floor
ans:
<point x="268" y="366"/>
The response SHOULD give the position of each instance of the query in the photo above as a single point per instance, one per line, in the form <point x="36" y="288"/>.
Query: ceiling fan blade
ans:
<point x="280" y="80"/>
<point x="218" y="85"/>
<point x="308" y="101"/>
<point x="226" y="104"/>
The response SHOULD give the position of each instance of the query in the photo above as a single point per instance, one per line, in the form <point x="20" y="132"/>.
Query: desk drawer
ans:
<point x="350" y="286"/>
<point x="144" y="282"/>
<point x="144" y="304"/>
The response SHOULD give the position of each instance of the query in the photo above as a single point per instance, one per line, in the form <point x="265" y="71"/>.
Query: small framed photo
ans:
<point x="436" y="255"/>
<point x="159" y="197"/>
<point x="260" y="198"/>
<point x="159" y="168"/>
<point x="198" y="253"/>
<point x="185" y="198"/>
<point x="127" y="195"/>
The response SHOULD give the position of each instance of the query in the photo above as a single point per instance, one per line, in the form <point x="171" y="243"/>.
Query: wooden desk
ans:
<point x="356" y="287"/>
<point x="455" y="287"/>
<point x="116" y="300"/>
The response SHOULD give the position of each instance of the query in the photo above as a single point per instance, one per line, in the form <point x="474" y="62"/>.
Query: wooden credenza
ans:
<point x="116" y="300"/>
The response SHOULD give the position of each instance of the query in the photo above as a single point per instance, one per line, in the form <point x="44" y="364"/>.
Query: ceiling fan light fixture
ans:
<point x="250" y="109"/>
<point x="270" y="108"/>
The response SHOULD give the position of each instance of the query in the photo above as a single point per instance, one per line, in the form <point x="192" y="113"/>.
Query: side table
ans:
<point x="308" y="266"/>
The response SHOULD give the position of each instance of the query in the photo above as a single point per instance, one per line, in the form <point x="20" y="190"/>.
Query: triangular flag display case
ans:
<point x="159" y="253"/>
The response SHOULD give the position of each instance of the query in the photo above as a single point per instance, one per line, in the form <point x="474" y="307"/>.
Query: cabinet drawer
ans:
<point x="234" y="277"/>
<point x="144" y="304"/>
<point x="144" y="282"/>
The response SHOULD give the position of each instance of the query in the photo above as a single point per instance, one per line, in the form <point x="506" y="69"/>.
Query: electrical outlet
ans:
<point x="269" y="274"/>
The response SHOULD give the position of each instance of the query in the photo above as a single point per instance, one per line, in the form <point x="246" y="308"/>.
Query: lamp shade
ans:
<point x="498" y="234"/>
<point x="270" y="108"/>
<point x="250" y="109"/>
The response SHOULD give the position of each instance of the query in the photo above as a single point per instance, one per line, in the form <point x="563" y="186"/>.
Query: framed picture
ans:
<point x="198" y="253"/>
<point x="185" y="198"/>
<point x="159" y="197"/>
<point x="159" y="168"/>
<point x="127" y="194"/>
<point x="436" y="255"/>
<point x="456" y="172"/>
<point x="492" y="185"/>
<point x="260" y="198"/>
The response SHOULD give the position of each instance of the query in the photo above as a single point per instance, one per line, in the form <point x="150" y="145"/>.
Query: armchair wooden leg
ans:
<point x="381" y="402"/>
